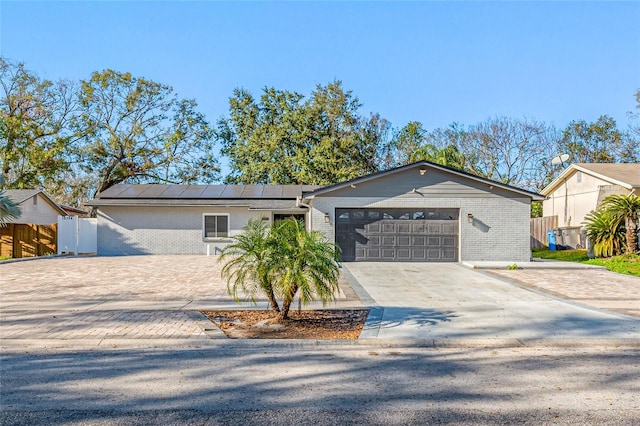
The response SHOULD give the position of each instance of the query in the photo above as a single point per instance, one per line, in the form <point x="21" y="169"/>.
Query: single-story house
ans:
<point x="419" y="212"/>
<point x="34" y="233"/>
<point x="36" y="207"/>
<point x="582" y="187"/>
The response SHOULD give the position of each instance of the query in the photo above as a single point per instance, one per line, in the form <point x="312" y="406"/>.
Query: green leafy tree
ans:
<point x="625" y="208"/>
<point x="35" y="130"/>
<point x="285" y="262"/>
<point x="247" y="264"/>
<point x="404" y="143"/>
<point x="137" y="130"/>
<point x="449" y="156"/>
<point x="606" y="231"/>
<point x="8" y="209"/>
<point x="597" y="142"/>
<point x="285" y="139"/>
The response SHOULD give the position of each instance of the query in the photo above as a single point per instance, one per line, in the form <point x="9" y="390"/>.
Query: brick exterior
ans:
<point x="500" y="229"/>
<point x="163" y="230"/>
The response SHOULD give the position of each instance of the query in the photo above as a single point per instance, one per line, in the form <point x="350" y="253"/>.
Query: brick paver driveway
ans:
<point x="102" y="298"/>
<point x="594" y="287"/>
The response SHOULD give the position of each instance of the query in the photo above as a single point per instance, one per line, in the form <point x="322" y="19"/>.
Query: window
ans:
<point x="215" y="226"/>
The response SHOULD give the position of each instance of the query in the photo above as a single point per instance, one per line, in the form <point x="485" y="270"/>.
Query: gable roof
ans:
<point x="420" y="165"/>
<point x="277" y="197"/>
<point x="19" y="196"/>
<point x="626" y="175"/>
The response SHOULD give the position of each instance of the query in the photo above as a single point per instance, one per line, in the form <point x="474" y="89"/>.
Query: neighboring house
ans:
<point x="419" y="212"/>
<point x="74" y="211"/>
<point x="36" y="208"/>
<point x="581" y="188"/>
<point x="34" y="232"/>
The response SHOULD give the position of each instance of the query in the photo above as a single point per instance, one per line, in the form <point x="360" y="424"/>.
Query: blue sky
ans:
<point x="435" y="62"/>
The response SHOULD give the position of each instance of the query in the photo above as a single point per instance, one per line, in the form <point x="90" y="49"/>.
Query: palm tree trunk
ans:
<point x="632" y="236"/>
<point x="286" y="304"/>
<point x="273" y="302"/>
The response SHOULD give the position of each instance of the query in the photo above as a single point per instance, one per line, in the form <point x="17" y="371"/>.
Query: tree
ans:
<point x="625" y="208"/>
<point x="138" y="131"/>
<point x="449" y="156"/>
<point x="35" y="129"/>
<point x="8" y="209"/>
<point x="286" y="261"/>
<point x="304" y="263"/>
<point x="404" y="143"/>
<point x="597" y="142"/>
<point x="248" y="260"/>
<point x="605" y="231"/>
<point x="285" y="139"/>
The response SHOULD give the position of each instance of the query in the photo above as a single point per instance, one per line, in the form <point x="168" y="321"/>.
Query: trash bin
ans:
<point x="551" y="239"/>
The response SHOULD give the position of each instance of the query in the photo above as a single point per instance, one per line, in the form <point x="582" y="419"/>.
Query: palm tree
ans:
<point x="627" y="208"/>
<point x="248" y="262"/>
<point x="605" y="231"/>
<point x="449" y="156"/>
<point x="8" y="209"/>
<point x="303" y="262"/>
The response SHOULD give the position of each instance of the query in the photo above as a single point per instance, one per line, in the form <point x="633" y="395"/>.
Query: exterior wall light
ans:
<point x="326" y="218"/>
<point x="423" y="171"/>
<point x="469" y="217"/>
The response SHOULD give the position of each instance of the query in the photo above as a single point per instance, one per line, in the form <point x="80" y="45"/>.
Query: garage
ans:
<point x="398" y="235"/>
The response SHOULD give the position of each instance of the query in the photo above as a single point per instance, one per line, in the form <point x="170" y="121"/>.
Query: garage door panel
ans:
<point x="403" y="254"/>
<point x="403" y="228"/>
<point x="403" y="240"/>
<point x="419" y="240"/>
<point x="449" y="241"/>
<point x="449" y="228"/>
<point x="388" y="240"/>
<point x="422" y="235"/>
<point x="388" y="228"/>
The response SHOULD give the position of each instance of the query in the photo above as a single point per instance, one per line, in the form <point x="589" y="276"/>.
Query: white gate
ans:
<point x="77" y="235"/>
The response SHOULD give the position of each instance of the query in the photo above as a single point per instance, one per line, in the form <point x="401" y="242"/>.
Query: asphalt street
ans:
<point x="301" y="383"/>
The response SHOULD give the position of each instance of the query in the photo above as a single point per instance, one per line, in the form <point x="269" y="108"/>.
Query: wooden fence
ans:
<point x="539" y="228"/>
<point x="25" y="240"/>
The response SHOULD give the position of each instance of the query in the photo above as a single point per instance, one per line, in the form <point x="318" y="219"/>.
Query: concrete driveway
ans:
<point x="448" y="302"/>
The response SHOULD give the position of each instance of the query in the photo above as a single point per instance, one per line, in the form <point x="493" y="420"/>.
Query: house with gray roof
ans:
<point x="36" y="207"/>
<point x="421" y="212"/>
<point x="581" y="188"/>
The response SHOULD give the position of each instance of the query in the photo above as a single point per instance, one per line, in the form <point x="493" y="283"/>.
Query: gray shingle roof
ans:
<point x="19" y="195"/>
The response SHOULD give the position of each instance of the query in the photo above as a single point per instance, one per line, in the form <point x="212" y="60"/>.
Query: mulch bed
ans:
<point x="315" y="324"/>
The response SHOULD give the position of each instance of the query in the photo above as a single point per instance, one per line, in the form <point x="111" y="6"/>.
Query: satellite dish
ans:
<point x="559" y="159"/>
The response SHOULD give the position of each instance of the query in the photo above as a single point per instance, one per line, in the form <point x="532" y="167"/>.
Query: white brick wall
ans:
<point x="500" y="230"/>
<point x="163" y="230"/>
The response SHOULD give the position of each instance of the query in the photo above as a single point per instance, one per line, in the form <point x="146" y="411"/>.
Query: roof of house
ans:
<point x="626" y="175"/>
<point x="19" y="196"/>
<point x="271" y="197"/>
<point x="423" y="164"/>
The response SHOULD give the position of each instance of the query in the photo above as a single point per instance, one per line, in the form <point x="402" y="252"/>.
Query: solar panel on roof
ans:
<point x="252" y="191"/>
<point x="173" y="191"/>
<point x="232" y="191"/>
<point x="152" y="191"/>
<point x="193" y="191"/>
<point x="272" y="191"/>
<point x="213" y="191"/>
<point x="114" y="191"/>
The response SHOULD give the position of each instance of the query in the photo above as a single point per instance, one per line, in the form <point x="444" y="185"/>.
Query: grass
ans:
<point x="628" y="264"/>
<point x="4" y="258"/>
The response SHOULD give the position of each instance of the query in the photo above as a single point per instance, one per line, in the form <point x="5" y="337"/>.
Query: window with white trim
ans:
<point x="215" y="226"/>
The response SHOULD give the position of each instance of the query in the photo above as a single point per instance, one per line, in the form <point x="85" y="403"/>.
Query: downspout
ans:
<point x="299" y="203"/>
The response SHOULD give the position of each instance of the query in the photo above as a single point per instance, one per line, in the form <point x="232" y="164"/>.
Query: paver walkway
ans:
<point x="599" y="288"/>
